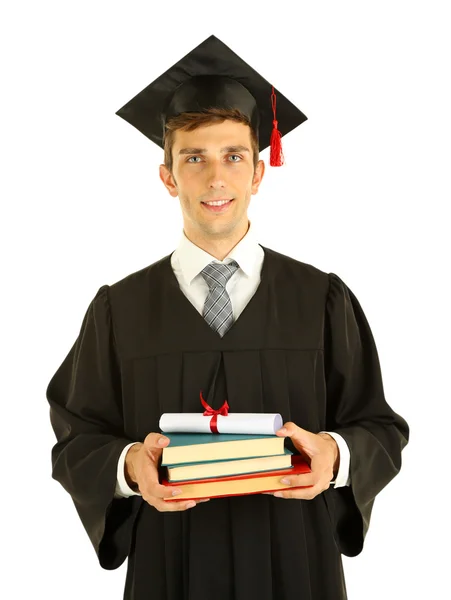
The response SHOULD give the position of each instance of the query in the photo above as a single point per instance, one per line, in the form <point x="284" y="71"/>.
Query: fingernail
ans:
<point x="161" y="441"/>
<point x="278" y="494"/>
<point x="283" y="430"/>
<point x="285" y="481"/>
<point x="176" y="492"/>
<point x="204" y="500"/>
<point x="190" y="504"/>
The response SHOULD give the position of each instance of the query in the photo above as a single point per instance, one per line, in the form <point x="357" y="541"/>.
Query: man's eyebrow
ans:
<point x="203" y="150"/>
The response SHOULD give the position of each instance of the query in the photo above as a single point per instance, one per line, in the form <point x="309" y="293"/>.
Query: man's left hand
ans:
<point x="324" y="455"/>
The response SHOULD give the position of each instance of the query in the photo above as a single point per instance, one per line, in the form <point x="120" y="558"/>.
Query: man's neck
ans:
<point x="219" y="248"/>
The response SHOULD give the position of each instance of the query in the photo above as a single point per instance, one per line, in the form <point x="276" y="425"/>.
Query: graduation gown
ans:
<point x="301" y="347"/>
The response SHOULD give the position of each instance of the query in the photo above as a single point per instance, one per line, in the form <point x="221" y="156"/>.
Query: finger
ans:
<point x="298" y="494"/>
<point x="147" y="475"/>
<point x="150" y="481"/>
<point x="182" y="504"/>
<point x="301" y="480"/>
<point x="164" y="506"/>
<point x="162" y="491"/>
<point x="307" y="493"/>
<point x="158" y="490"/>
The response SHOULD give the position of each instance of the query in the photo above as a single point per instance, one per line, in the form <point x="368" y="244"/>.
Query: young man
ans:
<point x="245" y="323"/>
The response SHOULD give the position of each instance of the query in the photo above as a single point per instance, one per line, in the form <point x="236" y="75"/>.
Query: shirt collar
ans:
<point x="193" y="259"/>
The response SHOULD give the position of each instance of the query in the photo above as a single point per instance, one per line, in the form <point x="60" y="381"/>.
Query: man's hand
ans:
<point x="324" y="455"/>
<point x="141" y="467"/>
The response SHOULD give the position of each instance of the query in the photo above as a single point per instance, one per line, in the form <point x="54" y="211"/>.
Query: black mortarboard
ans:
<point x="212" y="75"/>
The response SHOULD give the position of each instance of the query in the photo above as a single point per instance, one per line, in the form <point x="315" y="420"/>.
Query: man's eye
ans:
<point x="236" y="155"/>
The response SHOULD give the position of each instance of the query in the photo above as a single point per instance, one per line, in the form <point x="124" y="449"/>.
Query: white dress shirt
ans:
<point x="187" y="262"/>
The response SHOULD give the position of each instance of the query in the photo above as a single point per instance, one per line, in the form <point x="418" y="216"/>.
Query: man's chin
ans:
<point x="218" y="229"/>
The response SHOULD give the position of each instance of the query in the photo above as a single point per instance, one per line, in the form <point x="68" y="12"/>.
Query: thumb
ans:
<point x="154" y="445"/>
<point x="303" y="440"/>
<point x="156" y="440"/>
<point x="292" y="430"/>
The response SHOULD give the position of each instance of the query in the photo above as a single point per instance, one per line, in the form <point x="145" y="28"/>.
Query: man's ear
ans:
<point x="258" y="176"/>
<point x="168" y="180"/>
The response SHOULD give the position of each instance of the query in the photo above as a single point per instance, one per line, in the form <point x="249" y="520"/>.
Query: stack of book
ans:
<point x="211" y="465"/>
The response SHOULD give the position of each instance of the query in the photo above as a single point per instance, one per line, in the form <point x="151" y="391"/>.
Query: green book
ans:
<point x="201" y="447"/>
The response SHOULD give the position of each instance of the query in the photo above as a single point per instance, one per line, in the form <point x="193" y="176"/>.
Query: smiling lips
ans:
<point x="218" y="205"/>
<point x="219" y="200"/>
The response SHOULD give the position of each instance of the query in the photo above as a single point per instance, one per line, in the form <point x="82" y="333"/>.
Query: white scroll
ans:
<point x="252" y="423"/>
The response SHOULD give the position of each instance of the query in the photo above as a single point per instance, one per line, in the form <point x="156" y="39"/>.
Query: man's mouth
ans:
<point x="218" y="205"/>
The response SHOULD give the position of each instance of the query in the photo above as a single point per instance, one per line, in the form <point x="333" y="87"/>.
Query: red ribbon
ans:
<point x="224" y="411"/>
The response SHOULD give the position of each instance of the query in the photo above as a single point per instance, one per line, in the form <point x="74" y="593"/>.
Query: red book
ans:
<point x="238" y="485"/>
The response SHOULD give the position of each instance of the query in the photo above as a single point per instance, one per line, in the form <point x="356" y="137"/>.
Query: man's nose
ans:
<point x="216" y="174"/>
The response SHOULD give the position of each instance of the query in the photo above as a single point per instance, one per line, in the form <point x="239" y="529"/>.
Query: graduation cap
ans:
<point x="213" y="76"/>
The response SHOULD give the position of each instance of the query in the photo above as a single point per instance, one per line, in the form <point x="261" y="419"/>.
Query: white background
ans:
<point x="362" y="194"/>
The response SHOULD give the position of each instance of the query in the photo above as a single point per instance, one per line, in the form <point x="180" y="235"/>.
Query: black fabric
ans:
<point x="211" y="75"/>
<point x="302" y="347"/>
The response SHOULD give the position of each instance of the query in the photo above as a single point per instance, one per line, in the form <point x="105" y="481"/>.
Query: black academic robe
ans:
<point x="303" y="348"/>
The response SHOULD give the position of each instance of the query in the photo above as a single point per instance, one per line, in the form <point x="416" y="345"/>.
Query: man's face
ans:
<point x="211" y="163"/>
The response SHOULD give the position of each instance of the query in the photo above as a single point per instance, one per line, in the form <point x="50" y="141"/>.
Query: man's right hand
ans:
<point x="141" y="467"/>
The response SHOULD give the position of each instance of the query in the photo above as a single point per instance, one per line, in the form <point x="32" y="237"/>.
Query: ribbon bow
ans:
<point x="224" y="411"/>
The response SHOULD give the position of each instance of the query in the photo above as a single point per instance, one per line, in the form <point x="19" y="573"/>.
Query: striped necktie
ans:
<point x="218" y="308"/>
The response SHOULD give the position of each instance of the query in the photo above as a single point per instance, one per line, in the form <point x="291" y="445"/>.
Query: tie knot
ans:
<point x="218" y="274"/>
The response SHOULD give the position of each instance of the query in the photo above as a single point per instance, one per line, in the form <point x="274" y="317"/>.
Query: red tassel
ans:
<point x="276" y="158"/>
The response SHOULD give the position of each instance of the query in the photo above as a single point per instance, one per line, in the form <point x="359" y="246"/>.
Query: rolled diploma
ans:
<point x="252" y="423"/>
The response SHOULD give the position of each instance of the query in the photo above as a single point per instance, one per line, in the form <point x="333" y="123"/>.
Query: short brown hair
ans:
<point x="188" y="121"/>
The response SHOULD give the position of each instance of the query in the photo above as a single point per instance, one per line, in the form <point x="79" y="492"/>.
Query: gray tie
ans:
<point x="218" y="309"/>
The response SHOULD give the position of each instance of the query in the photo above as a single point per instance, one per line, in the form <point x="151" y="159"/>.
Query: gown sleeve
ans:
<point x="86" y="416"/>
<point x="358" y="411"/>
